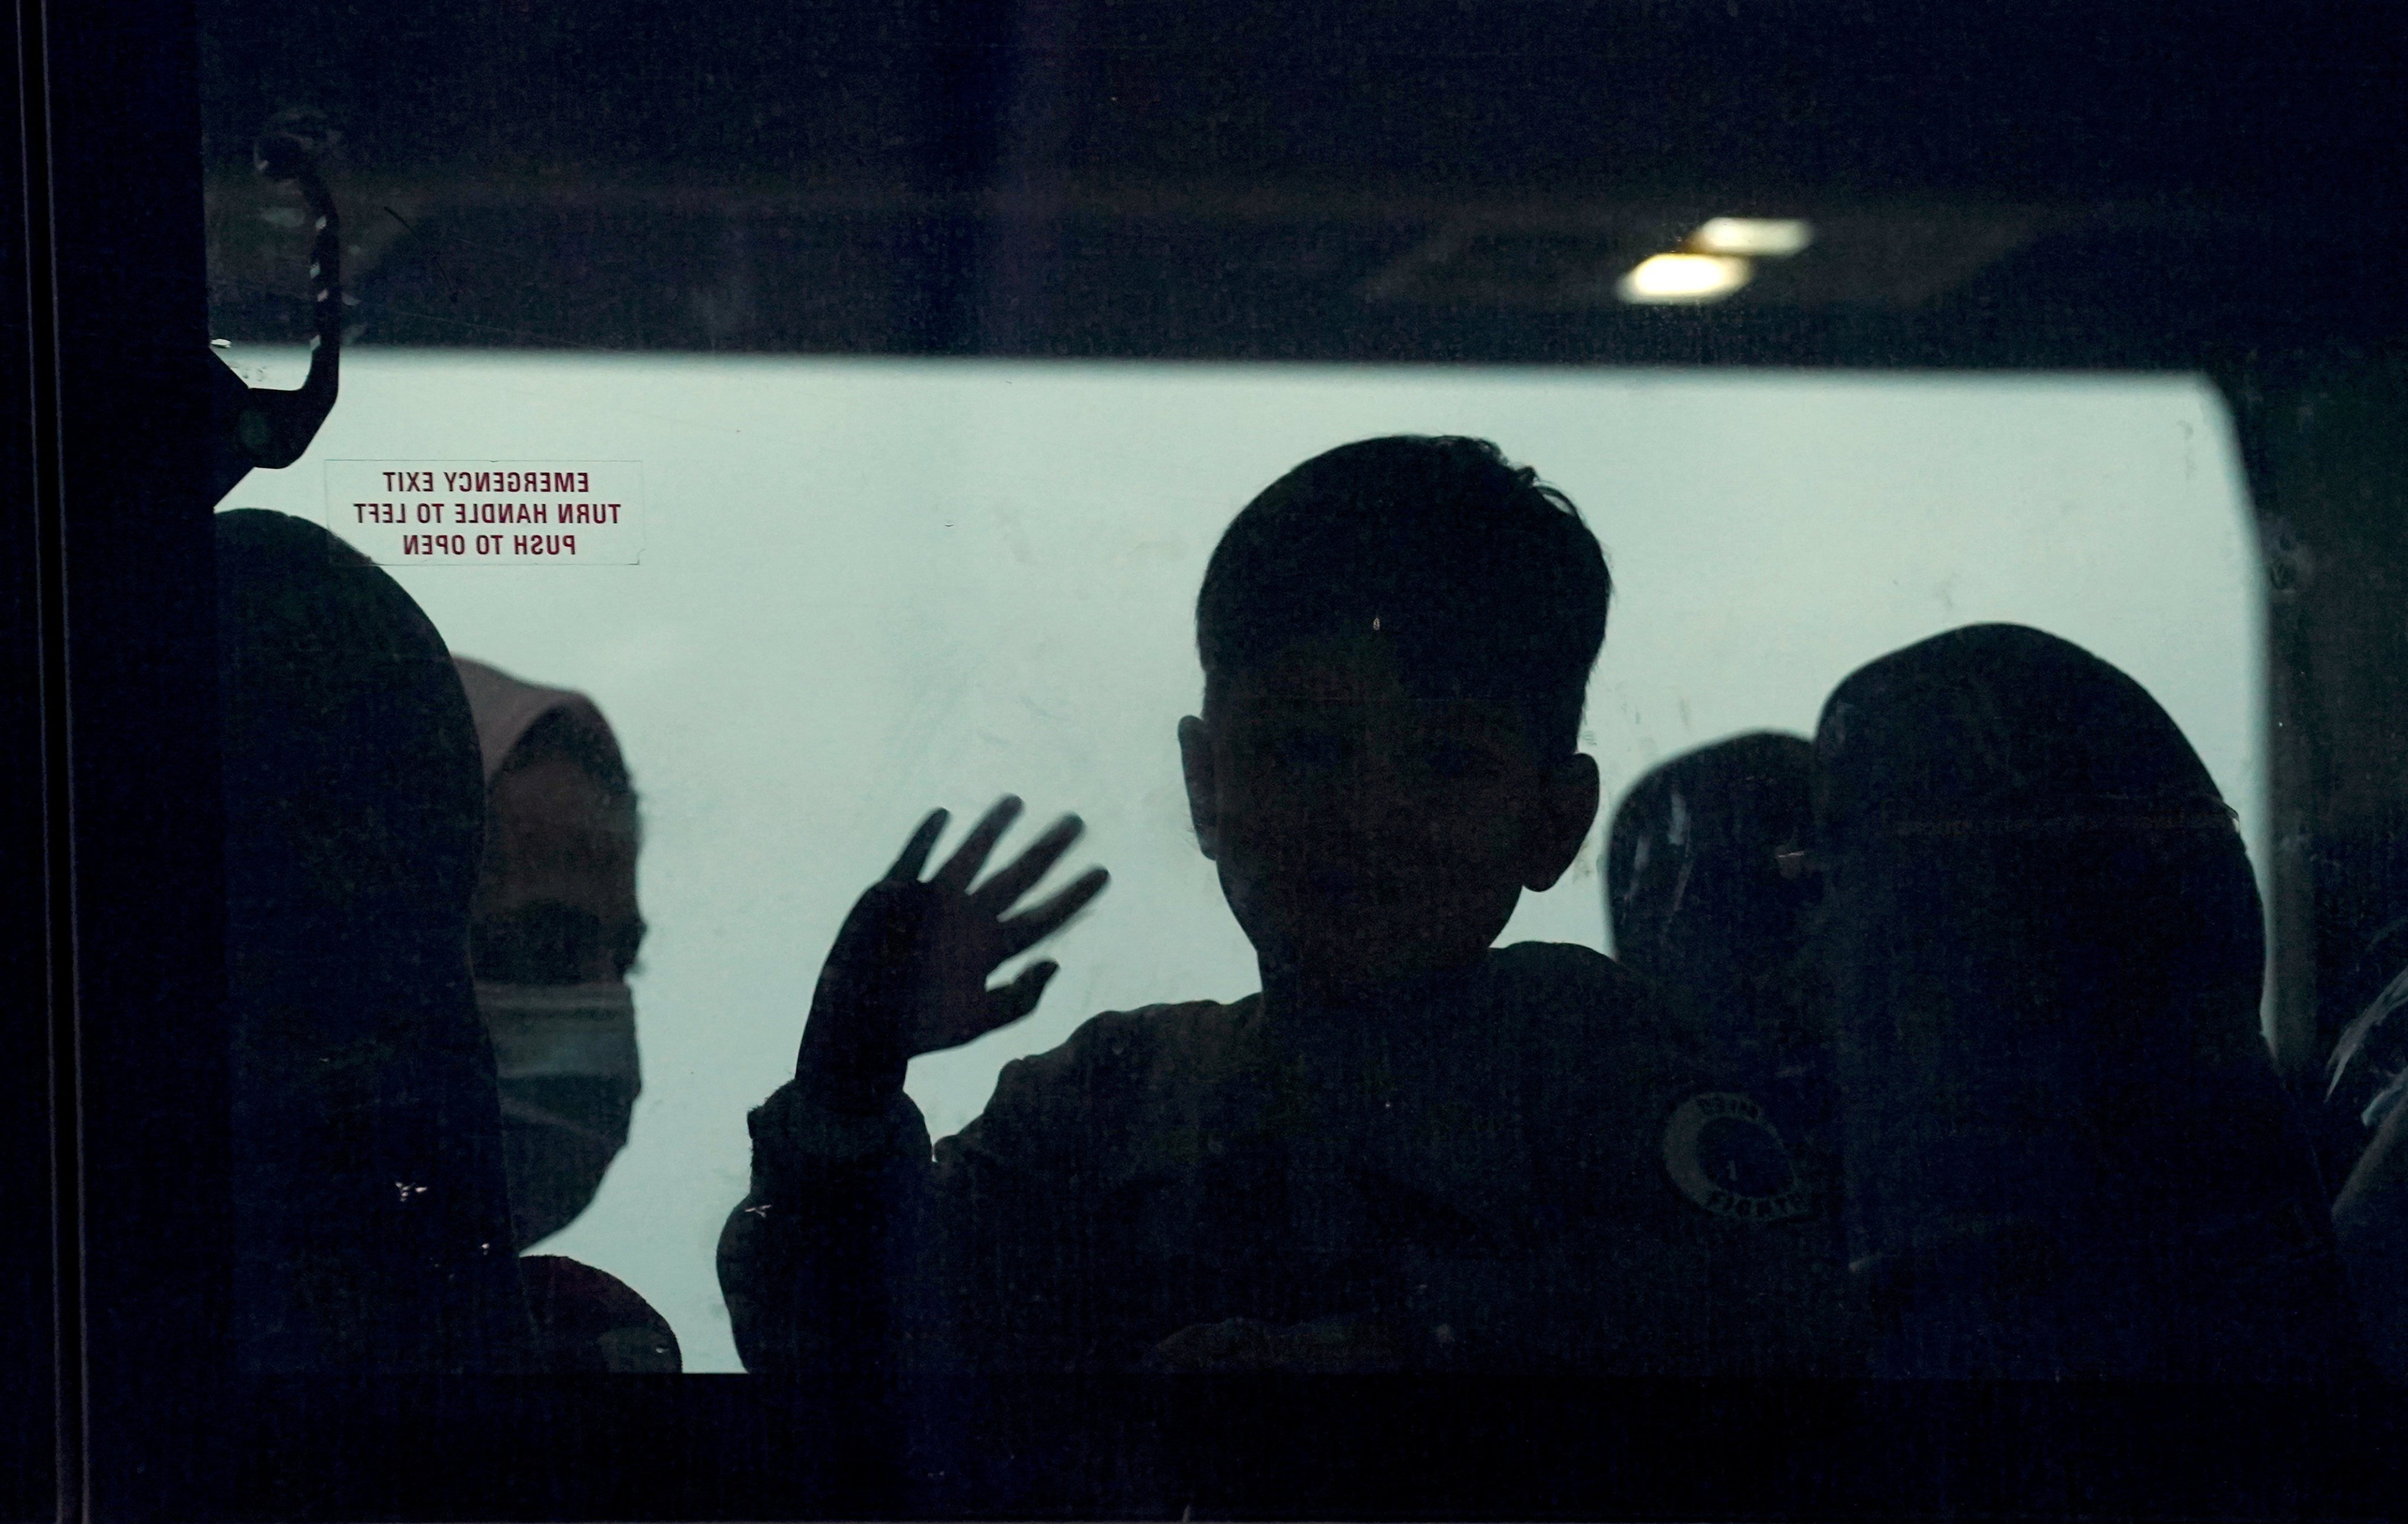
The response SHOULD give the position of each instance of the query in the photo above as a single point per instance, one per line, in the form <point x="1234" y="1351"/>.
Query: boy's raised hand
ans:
<point x="908" y="971"/>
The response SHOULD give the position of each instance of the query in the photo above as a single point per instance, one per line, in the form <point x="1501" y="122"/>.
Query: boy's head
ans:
<point x="1396" y="636"/>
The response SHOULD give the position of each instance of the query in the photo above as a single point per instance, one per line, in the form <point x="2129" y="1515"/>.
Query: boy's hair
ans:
<point x="1484" y="578"/>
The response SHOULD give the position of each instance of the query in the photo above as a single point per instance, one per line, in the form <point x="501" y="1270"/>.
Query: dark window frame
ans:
<point x="113" y="607"/>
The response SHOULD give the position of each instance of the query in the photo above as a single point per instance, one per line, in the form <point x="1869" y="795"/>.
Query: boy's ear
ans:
<point x="1567" y="807"/>
<point x="1203" y="797"/>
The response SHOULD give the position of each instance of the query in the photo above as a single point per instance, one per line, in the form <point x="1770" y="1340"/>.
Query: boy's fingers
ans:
<point x="971" y="855"/>
<point x="1020" y="997"/>
<point x="915" y="851"/>
<point x="996" y="895"/>
<point x="999" y="1008"/>
<point x="1023" y="931"/>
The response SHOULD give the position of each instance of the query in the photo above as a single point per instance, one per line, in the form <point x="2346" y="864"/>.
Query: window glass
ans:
<point x="865" y="587"/>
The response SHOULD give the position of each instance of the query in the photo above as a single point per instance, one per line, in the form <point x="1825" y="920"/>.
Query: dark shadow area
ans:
<point x="1320" y="1447"/>
<point x="2045" y="186"/>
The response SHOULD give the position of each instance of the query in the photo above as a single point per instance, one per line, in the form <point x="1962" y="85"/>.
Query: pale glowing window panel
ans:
<point x="995" y="589"/>
<point x="1765" y="238"/>
<point x="1685" y="278"/>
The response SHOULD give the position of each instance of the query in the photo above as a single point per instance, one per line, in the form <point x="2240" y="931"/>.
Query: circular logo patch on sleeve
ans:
<point x="1726" y="1156"/>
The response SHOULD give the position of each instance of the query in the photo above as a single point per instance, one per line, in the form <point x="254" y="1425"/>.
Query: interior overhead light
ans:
<point x="1764" y="237"/>
<point x="1685" y="278"/>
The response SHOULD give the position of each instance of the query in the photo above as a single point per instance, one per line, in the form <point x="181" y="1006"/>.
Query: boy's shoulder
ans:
<point x="1116" y="1067"/>
<point x="1556" y="993"/>
<point x="1567" y="977"/>
<point x="1589" y="1023"/>
<point x="1150" y="1046"/>
<point x="1599" y="1014"/>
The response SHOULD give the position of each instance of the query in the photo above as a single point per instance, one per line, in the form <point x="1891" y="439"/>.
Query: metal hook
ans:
<point x="262" y="427"/>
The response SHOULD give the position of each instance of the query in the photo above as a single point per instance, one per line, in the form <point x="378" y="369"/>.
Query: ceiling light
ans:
<point x="1765" y="238"/>
<point x="1684" y="277"/>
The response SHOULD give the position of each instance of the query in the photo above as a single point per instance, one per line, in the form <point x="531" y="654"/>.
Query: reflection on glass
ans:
<point x="1760" y="237"/>
<point x="1684" y="277"/>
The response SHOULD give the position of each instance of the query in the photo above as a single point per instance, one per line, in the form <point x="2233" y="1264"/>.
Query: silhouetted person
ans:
<point x="2067" y="1154"/>
<point x="2368" y="1080"/>
<point x="1709" y="895"/>
<point x="1410" y="1151"/>
<point x="2371" y="1218"/>
<point x="555" y="928"/>
<point x="371" y="1216"/>
<point x="2370" y="1051"/>
<point x="2367" y="1076"/>
<point x="553" y="932"/>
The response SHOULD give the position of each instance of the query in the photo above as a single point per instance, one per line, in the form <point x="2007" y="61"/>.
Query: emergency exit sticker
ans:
<point x="566" y="513"/>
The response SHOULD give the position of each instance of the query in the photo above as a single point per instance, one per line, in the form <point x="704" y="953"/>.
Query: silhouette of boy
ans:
<point x="1410" y="1151"/>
